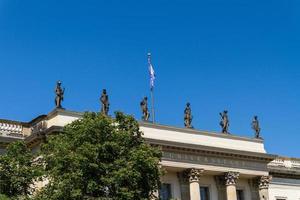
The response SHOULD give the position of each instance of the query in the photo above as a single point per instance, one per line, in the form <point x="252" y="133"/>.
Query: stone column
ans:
<point x="230" y="181"/>
<point x="194" y="178"/>
<point x="264" y="187"/>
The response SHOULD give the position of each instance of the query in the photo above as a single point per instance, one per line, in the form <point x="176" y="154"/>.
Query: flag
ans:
<point x="151" y="72"/>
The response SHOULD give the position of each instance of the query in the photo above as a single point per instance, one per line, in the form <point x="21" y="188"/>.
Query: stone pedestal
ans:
<point x="194" y="177"/>
<point x="230" y="181"/>
<point x="264" y="187"/>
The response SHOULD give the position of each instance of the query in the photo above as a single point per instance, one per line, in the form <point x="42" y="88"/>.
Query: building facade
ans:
<point x="199" y="165"/>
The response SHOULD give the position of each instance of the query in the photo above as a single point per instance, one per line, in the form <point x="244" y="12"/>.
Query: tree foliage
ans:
<point x="98" y="157"/>
<point x="17" y="171"/>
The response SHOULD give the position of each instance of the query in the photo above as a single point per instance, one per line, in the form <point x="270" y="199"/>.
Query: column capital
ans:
<point x="231" y="178"/>
<point x="264" y="182"/>
<point x="194" y="174"/>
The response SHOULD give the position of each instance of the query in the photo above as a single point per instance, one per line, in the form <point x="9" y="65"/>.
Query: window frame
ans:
<point x="243" y="189"/>
<point x="209" y="189"/>
<point x="171" y="188"/>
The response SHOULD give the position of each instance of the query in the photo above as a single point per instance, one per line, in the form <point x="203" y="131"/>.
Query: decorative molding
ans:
<point x="286" y="181"/>
<point x="264" y="182"/>
<point x="213" y="160"/>
<point x="288" y="166"/>
<point x="194" y="174"/>
<point x="11" y="128"/>
<point x="172" y="146"/>
<point x="231" y="178"/>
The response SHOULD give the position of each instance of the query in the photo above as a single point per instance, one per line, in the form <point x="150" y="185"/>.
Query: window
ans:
<point x="165" y="192"/>
<point x="204" y="193"/>
<point x="240" y="194"/>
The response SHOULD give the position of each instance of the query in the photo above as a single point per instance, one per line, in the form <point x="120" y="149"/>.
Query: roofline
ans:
<point x="14" y="122"/>
<point x="199" y="132"/>
<point x="65" y="112"/>
<point x="288" y="158"/>
<point x="141" y="123"/>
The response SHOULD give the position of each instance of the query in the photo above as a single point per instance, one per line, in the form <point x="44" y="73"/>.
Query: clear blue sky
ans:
<point x="221" y="54"/>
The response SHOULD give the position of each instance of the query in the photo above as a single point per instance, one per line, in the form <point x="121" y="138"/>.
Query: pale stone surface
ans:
<point x="171" y="178"/>
<point x="242" y="184"/>
<point x="61" y="120"/>
<point x="231" y="192"/>
<point x="195" y="191"/>
<point x="205" y="140"/>
<point x="285" y="188"/>
<point x="64" y="118"/>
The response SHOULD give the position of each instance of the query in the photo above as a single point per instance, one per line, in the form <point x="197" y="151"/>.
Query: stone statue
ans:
<point x="104" y="102"/>
<point x="255" y="127"/>
<point x="59" y="91"/>
<point x="188" y="116"/>
<point x="144" y="107"/>
<point x="224" y="122"/>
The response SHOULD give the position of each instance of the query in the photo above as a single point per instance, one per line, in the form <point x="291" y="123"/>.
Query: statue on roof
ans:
<point x="188" y="116"/>
<point x="105" y="103"/>
<point x="59" y="92"/>
<point x="144" y="108"/>
<point x="224" y="123"/>
<point x="256" y="127"/>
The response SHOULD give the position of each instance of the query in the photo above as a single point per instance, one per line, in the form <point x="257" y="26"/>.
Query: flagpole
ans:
<point x="152" y="100"/>
<point x="151" y="91"/>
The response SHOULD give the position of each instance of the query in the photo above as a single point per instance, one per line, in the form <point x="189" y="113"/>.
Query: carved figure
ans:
<point x="144" y="107"/>
<point x="104" y="102"/>
<point x="255" y="127"/>
<point x="188" y="116"/>
<point x="224" y="123"/>
<point x="59" y="91"/>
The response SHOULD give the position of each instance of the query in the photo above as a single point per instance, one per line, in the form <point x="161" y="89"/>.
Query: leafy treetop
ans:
<point x="98" y="157"/>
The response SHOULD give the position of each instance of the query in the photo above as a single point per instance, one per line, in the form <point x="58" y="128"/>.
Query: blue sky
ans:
<point x="242" y="56"/>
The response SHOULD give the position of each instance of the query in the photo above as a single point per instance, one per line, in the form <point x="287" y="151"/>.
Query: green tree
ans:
<point x="98" y="157"/>
<point x="17" y="171"/>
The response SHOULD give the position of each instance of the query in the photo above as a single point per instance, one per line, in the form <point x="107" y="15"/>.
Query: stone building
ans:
<point x="199" y="164"/>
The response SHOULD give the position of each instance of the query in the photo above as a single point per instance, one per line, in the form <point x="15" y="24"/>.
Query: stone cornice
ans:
<point x="57" y="111"/>
<point x="182" y="147"/>
<point x="284" y="173"/>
